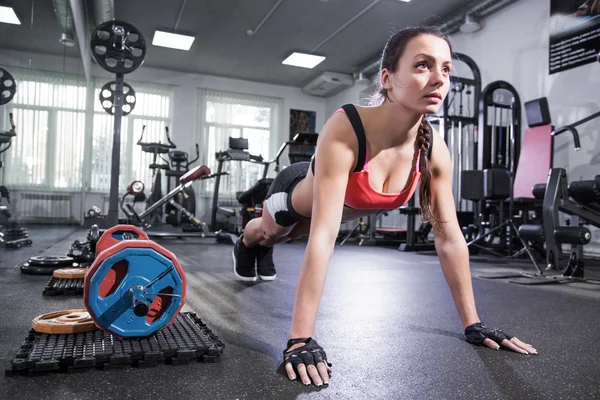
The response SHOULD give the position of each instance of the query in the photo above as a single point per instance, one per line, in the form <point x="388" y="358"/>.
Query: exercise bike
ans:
<point x="136" y="189"/>
<point x="156" y="149"/>
<point x="15" y="235"/>
<point x="179" y="165"/>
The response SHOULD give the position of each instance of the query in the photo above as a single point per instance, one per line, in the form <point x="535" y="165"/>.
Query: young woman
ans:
<point x="367" y="159"/>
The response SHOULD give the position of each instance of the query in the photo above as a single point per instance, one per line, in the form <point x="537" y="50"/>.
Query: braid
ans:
<point x="424" y="141"/>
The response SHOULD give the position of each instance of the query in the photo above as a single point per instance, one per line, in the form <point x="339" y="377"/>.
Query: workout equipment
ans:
<point x="64" y="322"/>
<point x="120" y="48"/>
<point x="581" y="201"/>
<point x="85" y="253"/>
<point x="8" y="87"/>
<point x="300" y="148"/>
<point x="156" y="149"/>
<point x="108" y="97"/>
<point x="118" y="233"/>
<point x="237" y="151"/>
<point x="64" y="286"/>
<point x="134" y="288"/>
<point x="69" y="273"/>
<point x="459" y="124"/>
<point x="187" y="340"/>
<point x="136" y="189"/>
<point x="498" y="157"/>
<point x="15" y="236"/>
<point x="179" y="166"/>
<point x="45" y="265"/>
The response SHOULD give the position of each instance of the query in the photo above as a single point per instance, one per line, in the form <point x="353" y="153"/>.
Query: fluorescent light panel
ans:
<point x="303" y="60"/>
<point x="8" y="16"/>
<point x="172" y="40"/>
<point x="406" y="1"/>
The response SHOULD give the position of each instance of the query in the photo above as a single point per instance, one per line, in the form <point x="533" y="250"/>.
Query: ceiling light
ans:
<point x="303" y="60"/>
<point x="406" y="1"/>
<point x="172" y="40"/>
<point x="8" y="16"/>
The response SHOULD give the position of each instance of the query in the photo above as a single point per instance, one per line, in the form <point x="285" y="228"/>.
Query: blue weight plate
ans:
<point x="109" y="296"/>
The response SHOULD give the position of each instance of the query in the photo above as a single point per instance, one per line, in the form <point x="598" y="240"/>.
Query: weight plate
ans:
<point x="29" y="269"/>
<point x="51" y="261"/>
<point x="118" y="233"/>
<point x="69" y="273"/>
<point x="118" y="47"/>
<point x="64" y="322"/>
<point x="8" y="87"/>
<point x="108" y="98"/>
<point x="112" y="293"/>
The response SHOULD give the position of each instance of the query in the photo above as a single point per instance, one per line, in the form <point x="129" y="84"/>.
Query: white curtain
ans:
<point x="64" y="136"/>
<point x="49" y="114"/>
<point x="225" y="115"/>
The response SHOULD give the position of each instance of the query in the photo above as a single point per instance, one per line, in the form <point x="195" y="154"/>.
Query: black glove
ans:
<point x="477" y="333"/>
<point x="309" y="354"/>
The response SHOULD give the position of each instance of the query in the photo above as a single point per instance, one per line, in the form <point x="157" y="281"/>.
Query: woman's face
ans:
<point x="422" y="77"/>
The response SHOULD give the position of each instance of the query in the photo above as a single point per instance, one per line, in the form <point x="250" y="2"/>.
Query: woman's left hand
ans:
<point x="479" y="334"/>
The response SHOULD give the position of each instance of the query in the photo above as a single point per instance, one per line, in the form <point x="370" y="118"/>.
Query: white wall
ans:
<point x="186" y="98"/>
<point x="513" y="46"/>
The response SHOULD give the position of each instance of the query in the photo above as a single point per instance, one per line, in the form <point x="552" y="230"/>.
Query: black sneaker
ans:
<point x="244" y="260"/>
<point x="264" y="263"/>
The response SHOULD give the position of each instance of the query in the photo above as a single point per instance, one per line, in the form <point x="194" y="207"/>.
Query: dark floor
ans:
<point x="386" y="321"/>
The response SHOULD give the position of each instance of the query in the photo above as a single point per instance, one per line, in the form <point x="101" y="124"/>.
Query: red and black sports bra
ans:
<point x="359" y="192"/>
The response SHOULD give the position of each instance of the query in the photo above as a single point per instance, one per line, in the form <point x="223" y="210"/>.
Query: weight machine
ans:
<point x="14" y="235"/>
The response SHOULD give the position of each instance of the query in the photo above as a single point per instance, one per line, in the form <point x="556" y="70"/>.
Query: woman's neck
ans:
<point x="394" y="125"/>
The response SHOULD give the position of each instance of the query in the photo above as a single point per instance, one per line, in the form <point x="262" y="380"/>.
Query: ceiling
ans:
<point x="222" y="47"/>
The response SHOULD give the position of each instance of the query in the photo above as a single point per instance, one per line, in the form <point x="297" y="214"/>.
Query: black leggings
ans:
<point x="279" y="196"/>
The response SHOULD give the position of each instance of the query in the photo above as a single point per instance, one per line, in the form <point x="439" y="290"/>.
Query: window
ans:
<point x="65" y="143"/>
<point x="224" y="115"/>
<point x="49" y="114"/>
<point x="153" y="110"/>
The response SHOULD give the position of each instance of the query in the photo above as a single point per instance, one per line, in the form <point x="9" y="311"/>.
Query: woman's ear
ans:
<point x="386" y="79"/>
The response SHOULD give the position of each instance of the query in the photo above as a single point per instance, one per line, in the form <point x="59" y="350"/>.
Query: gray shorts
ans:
<point x="279" y="196"/>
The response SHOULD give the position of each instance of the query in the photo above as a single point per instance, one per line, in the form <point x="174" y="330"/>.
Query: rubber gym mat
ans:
<point x="63" y="287"/>
<point x="188" y="339"/>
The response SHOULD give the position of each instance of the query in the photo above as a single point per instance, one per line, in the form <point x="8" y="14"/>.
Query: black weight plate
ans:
<point x="54" y="261"/>
<point x="118" y="47"/>
<point x="29" y="269"/>
<point x="107" y="98"/>
<point x="8" y="87"/>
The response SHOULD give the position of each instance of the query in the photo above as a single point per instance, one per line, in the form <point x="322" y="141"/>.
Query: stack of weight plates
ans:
<point x="45" y="265"/>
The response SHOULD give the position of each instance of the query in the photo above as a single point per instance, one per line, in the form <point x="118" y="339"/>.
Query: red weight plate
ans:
<point x="107" y="239"/>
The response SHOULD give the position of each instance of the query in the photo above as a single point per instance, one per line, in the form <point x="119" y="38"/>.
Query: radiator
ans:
<point x="45" y="207"/>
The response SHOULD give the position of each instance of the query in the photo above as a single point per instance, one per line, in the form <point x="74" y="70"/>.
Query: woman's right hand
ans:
<point x="304" y="358"/>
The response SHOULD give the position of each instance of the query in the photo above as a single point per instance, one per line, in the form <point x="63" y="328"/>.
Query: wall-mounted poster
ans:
<point x="574" y="33"/>
<point x="302" y="121"/>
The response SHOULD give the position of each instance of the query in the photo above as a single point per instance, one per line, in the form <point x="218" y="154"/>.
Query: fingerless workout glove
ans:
<point x="309" y="354"/>
<point x="477" y="333"/>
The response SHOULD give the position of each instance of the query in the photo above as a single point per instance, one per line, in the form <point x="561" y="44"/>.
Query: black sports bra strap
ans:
<point x="354" y="118"/>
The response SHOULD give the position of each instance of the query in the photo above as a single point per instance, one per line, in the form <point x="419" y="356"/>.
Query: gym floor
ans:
<point x="387" y="322"/>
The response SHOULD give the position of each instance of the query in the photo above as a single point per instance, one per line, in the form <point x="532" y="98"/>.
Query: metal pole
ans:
<point x="113" y="200"/>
